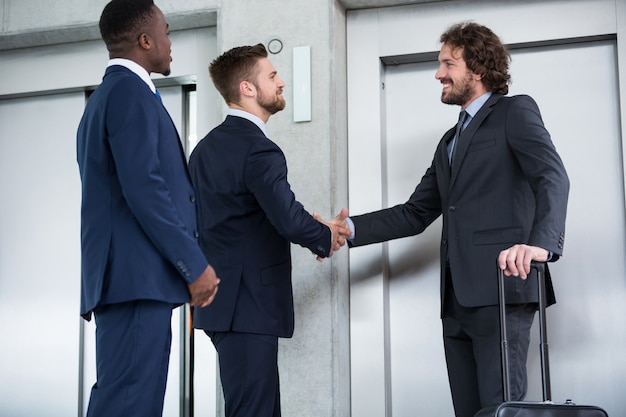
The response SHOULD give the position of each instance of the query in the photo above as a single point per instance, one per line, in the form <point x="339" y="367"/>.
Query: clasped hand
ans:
<point x="204" y="289"/>
<point x="339" y="229"/>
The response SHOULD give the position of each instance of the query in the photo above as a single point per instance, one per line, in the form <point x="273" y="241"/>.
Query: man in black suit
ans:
<point x="248" y="217"/>
<point x="502" y="190"/>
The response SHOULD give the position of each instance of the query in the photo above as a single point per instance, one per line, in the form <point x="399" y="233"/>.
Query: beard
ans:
<point x="460" y="93"/>
<point x="271" y="103"/>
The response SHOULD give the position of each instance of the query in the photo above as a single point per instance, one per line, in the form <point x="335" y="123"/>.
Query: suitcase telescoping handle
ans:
<point x="543" y="335"/>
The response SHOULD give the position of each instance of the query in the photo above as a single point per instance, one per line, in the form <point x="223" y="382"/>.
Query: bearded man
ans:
<point x="501" y="187"/>
<point x="249" y="216"/>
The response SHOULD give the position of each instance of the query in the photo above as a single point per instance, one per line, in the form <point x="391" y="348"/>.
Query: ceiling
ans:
<point x="365" y="4"/>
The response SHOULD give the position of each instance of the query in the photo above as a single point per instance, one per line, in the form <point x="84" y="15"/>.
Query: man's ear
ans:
<point x="247" y="89"/>
<point x="145" y="42"/>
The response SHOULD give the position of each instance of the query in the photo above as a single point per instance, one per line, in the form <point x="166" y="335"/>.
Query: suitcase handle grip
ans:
<point x="543" y="336"/>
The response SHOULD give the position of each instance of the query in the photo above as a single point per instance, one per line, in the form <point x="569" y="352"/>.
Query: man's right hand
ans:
<point x="204" y="288"/>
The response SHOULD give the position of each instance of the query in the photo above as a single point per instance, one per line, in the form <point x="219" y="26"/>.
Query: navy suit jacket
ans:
<point x="507" y="185"/>
<point x="138" y="217"/>
<point x="248" y="217"/>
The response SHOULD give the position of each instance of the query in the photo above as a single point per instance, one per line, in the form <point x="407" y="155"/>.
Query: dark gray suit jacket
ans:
<point x="507" y="185"/>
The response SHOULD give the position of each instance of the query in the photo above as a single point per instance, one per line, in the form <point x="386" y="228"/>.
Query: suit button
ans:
<point x="196" y="234"/>
<point x="444" y="242"/>
<point x="452" y="208"/>
<point x="192" y="198"/>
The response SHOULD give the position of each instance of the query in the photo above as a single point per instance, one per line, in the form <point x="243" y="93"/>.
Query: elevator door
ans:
<point x="397" y="354"/>
<point x="39" y="255"/>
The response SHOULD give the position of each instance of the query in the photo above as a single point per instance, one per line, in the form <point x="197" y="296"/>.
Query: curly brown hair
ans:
<point x="483" y="53"/>
<point x="234" y="66"/>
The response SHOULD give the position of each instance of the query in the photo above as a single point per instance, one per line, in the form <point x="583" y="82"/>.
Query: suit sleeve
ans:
<point x="544" y="170"/>
<point x="134" y="138"/>
<point x="266" y="178"/>
<point x="402" y="220"/>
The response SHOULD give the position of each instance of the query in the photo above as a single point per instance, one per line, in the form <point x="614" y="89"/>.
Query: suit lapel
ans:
<point x="463" y="143"/>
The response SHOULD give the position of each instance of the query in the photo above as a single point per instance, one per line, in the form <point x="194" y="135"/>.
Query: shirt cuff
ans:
<point x="351" y="226"/>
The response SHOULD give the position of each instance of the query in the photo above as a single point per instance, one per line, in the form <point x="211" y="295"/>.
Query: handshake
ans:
<point x="339" y="229"/>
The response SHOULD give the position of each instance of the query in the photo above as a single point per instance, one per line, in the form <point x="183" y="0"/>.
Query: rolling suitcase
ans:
<point x="546" y="408"/>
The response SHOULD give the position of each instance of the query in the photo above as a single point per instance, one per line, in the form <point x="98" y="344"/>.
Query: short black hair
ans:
<point x="123" y="20"/>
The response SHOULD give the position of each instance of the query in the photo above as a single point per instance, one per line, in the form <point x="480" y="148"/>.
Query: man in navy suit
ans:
<point x="502" y="190"/>
<point x="140" y="254"/>
<point x="248" y="217"/>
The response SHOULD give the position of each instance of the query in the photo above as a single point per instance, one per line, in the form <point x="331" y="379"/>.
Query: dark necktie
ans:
<point x="459" y="128"/>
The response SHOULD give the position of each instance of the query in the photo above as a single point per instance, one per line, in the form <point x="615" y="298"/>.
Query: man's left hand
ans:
<point x="516" y="259"/>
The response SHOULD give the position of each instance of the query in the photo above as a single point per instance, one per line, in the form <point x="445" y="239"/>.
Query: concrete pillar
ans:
<point x="314" y="364"/>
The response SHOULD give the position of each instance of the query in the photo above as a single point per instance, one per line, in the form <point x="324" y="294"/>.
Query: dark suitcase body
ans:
<point x="541" y="409"/>
<point x="546" y="408"/>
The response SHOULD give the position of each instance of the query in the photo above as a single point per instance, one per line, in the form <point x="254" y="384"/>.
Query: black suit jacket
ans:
<point x="248" y="217"/>
<point x="507" y="185"/>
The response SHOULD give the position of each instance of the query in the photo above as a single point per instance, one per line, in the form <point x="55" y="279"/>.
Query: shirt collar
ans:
<point x="249" y="116"/>
<point x="477" y="104"/>
<point x="136" y="68"/>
